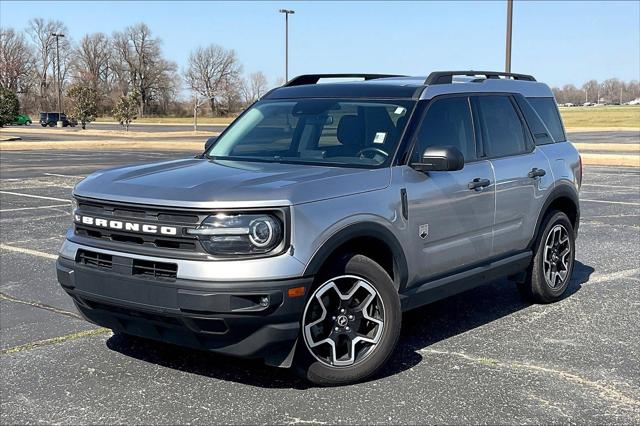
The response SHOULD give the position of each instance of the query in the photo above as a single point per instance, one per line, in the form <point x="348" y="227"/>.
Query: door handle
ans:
<point x="478" y="183"/>
<point x="534" y="173"/>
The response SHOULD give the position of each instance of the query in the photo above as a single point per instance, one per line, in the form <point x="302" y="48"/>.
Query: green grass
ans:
<point x="605" y="116"/>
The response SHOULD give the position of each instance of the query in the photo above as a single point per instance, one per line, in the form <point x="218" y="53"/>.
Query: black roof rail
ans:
<point x="314" y="78"/>
<point x="446" y="77"/>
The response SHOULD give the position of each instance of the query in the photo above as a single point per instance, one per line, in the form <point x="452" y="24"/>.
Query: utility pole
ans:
<point x="507" y="62"/>
<point x="620" y="93"/>
<point x="57" y="36"/>
<point x="286" y="12"/>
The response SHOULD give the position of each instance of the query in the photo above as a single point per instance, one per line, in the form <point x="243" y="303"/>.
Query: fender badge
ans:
<point x="423" y="231"/>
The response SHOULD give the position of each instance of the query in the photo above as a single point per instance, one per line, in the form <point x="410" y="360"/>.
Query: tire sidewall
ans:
<point x="319" y="373"/>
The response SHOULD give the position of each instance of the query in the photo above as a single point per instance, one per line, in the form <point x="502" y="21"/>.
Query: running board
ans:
<point x="432" y="291"/>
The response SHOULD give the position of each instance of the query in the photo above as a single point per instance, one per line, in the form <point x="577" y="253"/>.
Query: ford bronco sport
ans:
<point x="324" y="211"/>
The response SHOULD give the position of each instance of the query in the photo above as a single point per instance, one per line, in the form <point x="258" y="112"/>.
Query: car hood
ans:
<point x="202" y="183"/>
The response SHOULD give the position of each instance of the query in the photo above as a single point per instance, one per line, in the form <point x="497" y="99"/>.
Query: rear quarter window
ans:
<point x="548" y="112"/>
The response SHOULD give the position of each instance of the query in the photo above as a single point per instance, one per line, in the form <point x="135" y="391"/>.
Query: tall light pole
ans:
<point x="57" y="36"/>
<point x="286" y="12"/>
<point x="507" y="62"/>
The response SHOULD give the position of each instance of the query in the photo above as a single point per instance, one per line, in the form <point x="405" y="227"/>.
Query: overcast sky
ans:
<point x="558" y="42"/>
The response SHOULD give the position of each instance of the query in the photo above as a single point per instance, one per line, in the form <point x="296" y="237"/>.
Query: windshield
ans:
<point x="351" y="133"/>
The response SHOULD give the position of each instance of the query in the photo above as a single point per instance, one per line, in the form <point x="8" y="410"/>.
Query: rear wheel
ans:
<point x="52" y="124"/>
<point x="350" y="325"/>
<point x="28" y="123"/>
<point x="548" y="276"/>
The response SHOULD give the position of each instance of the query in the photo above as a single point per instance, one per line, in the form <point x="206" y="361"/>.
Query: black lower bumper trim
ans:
<point x="245" y="319"/>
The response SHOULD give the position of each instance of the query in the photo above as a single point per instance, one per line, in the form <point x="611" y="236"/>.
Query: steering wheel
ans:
<point x="374" y="150"/>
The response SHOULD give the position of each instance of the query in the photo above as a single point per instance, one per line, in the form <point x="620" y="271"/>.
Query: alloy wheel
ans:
<point x="557" y="257"/>
<point x="343" y="321"/>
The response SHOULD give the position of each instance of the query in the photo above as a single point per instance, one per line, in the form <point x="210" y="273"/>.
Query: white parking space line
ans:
<point x="32" y="208"/>
<point x="611" y="186"/>
<point x="587" y="173"/>
<point x="59" y="175"/>
<point x="35" y="196"/>
<point x="610" y="202"/>
<point x="28" y="251"/>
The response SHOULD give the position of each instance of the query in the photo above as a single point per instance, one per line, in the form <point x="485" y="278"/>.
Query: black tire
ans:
<point x="44" y="125"/>
<point x="310" y="368"/>
<point x="28" y="123"/>
<point x="52" y="124"/>
<point x="535" y="287"/>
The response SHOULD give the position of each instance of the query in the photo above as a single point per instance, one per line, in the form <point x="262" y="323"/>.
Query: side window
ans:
<point x="548" y="112"/>
<point x="541" y="134"/>
<point x="448" y="122"/>
<point x="502" y="130"/>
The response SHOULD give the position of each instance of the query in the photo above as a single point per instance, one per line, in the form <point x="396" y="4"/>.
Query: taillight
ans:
<point x="579" y="174"/>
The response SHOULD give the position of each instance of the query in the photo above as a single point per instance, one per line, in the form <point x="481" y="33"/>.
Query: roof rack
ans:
<point x="446" y="77"/>
<point x="314" y="78"/>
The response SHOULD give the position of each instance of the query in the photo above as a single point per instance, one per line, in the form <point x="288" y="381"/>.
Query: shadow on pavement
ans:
<point x="421" y="328"/>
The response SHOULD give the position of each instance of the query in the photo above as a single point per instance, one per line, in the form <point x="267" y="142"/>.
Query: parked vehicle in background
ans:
<point x="324" y="211"/>
<point x="22" y="120"/>
<point x="51" y="119"/>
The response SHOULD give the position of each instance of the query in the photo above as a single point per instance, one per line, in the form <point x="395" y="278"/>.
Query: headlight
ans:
<point x="239" y="234"/>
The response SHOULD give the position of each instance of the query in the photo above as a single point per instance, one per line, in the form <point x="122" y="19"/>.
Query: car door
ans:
<point x="450" y="213"/>
<point x="522" y="172"/>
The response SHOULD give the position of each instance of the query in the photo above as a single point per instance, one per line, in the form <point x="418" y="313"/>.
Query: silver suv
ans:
<point x="324" y="211"/>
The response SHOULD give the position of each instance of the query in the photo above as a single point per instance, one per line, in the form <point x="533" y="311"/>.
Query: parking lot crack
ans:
<point x="55" y="340"/>
<point x="39" y="305"/>
<point x="605" y="391"/>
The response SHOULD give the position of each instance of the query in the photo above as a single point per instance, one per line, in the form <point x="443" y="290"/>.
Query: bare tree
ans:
<point x="16" y="61"/>
<point x="212" y="71"/>
<point x="611" y="90"/>
<point x="254" y="87"/>
<point x="139" y="64"/>
<point x="40" y="32"/>
<point x="590" y="89"/>
<point x="90" y="64"/>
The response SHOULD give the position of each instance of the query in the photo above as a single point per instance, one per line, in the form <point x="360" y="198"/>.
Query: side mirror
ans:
<point x="209" y="143"/>
<point x="440" y="159"/>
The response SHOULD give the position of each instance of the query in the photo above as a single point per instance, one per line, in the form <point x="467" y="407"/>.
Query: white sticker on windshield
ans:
<point x="399" y="110"/>
<point x="379" y="138"/>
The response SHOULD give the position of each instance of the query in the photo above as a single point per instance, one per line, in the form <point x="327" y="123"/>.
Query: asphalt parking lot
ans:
<point x="480" y="357"/>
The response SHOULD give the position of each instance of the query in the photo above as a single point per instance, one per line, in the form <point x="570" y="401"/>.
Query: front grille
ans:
<point x="97" y="260"/>
<point x="156" y="270"/>
<point x="111" y="238"/>
<point x="186" y="243"/>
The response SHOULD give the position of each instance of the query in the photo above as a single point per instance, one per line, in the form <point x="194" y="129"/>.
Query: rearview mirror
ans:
<point x="440" y="159"/>
<point x="209" y="143"/>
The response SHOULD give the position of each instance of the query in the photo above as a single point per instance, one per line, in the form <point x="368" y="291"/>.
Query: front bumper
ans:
<point x="224" y="317"/>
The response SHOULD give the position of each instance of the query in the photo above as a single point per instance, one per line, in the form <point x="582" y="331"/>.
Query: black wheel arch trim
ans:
<point x="357" y="230"/>
<point x="561" y="191"/>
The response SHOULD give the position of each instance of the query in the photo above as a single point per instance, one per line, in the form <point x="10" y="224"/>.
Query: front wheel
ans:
<point x="351" y="324"/>
<point x="28" y="123"/>
<point x="548" y="276"/>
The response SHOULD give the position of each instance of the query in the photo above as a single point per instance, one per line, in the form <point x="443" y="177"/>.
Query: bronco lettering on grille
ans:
<point x="124" y="225"/>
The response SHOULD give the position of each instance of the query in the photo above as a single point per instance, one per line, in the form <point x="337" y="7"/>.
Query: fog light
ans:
<point x="264" y="301"/>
